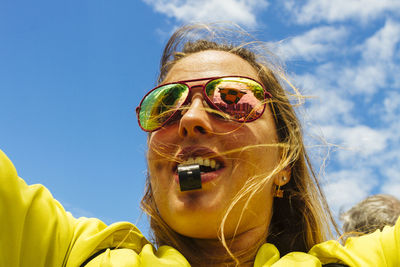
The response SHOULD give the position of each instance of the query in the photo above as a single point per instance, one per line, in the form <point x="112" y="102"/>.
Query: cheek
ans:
<point x="157" y="170"/>
<point x="159" y="187"/>
<point x="162" y="148"/>
<point x="260" y="137"/>
<point x="159" y="165"/>
<point x="260" y="152"/>
<point x="167" y="134"/>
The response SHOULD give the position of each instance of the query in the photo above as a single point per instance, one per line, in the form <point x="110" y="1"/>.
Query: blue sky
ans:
<point x="72" y="73"/>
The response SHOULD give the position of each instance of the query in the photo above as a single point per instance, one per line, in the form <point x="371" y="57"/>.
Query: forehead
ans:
<point x="210" y="63"/>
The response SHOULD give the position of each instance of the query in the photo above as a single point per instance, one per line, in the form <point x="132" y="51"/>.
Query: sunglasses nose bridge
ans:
<point x="194" y="89"/>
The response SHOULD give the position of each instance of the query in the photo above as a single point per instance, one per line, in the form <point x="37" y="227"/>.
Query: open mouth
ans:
<point x="208" y="160"/>
<point x="206" y="164"/>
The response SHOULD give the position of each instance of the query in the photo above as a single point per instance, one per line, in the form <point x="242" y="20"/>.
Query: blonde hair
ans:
<point x="299" y="220"/>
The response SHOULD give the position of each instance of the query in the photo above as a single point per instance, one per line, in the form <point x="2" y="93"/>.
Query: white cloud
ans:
<point x="340" y="10"/>
<point x="391" y="105"/>
<point x="347" y="187"/>
<point x="374" y="63"/>
<point x="328" y="104"/>
<point x="341" y="83"/>
<point x="238" y="11"/>
<point x="392" y="188"/>
<point x="330" y="107"/>
<point x="313" y="44"/>
<point x="363" y="78"/>
<point x="356" y="141"/>
<point x="377" y="65"/>
<point x="391" y="184"/>
<point x="382" y="45"/>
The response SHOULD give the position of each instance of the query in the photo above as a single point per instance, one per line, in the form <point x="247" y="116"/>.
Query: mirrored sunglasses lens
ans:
<point x="241" y="99"/>
<point x="161" y="104"/>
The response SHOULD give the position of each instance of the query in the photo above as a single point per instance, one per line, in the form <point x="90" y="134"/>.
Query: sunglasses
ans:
<point x="237" y="98"/>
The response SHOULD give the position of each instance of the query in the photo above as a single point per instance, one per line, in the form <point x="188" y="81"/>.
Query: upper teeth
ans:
<point x="201" y="161"/>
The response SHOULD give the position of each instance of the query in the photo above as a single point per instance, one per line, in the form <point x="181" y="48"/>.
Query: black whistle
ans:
<point x="189" y="177"/>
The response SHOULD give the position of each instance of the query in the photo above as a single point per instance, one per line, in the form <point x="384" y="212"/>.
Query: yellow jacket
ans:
<point x="35" y="230"/>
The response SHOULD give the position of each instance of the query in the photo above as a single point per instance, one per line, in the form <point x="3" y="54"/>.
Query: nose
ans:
<point x="195" y="121"/>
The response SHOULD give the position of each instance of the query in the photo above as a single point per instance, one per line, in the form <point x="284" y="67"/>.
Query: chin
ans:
<point x="199" y="204"/>
<point x="196" y="217"/>
<point x="194" y="228"/>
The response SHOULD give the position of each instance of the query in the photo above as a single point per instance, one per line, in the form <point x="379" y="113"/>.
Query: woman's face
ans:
<point x="238" y="148"/>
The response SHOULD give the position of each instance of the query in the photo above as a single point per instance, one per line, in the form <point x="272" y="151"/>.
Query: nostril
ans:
<point x="196" y="129"/>
<point x="200" y="129"/>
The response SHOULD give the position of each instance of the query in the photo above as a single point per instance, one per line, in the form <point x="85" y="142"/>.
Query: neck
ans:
<point x="243" y="246"/>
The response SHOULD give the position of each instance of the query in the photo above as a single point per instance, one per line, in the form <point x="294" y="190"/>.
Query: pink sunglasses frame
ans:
<point x="205" y="97"/>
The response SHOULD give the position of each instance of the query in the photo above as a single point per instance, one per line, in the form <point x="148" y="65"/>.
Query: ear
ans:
<point x="283" y="177"/>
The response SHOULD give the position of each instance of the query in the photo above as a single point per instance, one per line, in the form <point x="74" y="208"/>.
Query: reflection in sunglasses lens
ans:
<point x="240" y="98"/>
<point x="161" y="104"/>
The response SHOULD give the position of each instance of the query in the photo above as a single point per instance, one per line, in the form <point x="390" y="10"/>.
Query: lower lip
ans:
<point x="205" y="176"/>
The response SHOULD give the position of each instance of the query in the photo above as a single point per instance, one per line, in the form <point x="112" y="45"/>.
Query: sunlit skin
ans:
<point x="198" y="213"/>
